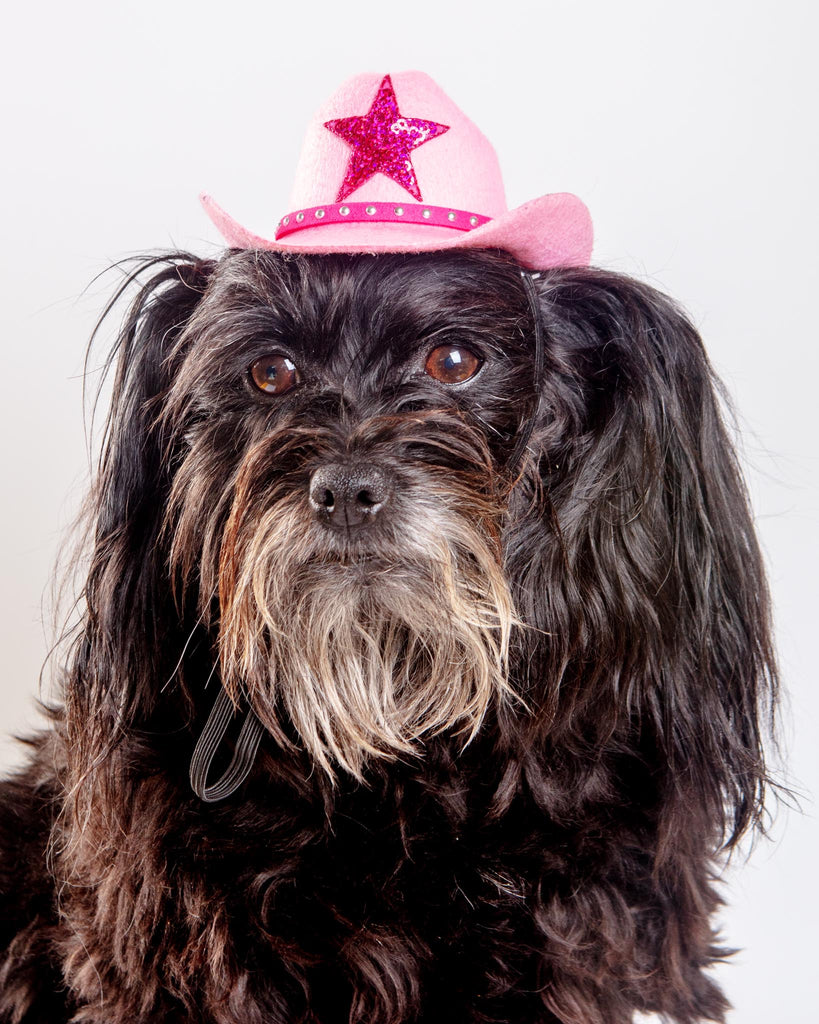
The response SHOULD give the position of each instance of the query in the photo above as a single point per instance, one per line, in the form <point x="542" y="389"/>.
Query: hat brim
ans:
<point x="552" y="231"/>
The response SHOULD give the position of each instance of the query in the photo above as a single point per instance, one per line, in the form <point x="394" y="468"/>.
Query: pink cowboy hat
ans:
<point x="390" y="164"/>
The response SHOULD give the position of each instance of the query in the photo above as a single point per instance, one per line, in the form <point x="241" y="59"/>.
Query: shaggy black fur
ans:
<point x="557" y="868"/>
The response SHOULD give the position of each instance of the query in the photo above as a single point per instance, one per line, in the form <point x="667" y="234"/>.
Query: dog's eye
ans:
<point x="274" y="374"/>
<point x="452" y="364"/>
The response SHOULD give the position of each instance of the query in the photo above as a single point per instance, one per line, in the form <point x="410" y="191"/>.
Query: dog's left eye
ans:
<point x="274" y="374"/>
<point x="452" y="364"/>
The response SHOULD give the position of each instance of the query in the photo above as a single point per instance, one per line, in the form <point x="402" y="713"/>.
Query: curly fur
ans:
<point x="510" y="730"/>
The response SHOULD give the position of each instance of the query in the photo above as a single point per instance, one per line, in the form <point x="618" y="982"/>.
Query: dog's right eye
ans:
<point x="452" y="364"/>
<point x="274" y="374"/>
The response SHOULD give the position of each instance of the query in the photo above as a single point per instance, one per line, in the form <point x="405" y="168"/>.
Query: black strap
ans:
<point x="529" y="424"/>
<point x="244" y="755"/>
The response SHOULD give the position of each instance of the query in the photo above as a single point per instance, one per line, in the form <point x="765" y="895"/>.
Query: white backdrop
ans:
<point x="689" y="130"/>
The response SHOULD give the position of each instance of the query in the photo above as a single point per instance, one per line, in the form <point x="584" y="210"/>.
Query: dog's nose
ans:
<point x="349" y="494"/>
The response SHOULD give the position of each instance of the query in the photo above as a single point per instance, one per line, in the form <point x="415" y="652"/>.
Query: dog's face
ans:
<point x="343" y="431"/>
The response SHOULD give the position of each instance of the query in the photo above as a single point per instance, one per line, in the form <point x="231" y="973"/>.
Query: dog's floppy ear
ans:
<point x="640" y="561"/>
<point x="124" y="635"/>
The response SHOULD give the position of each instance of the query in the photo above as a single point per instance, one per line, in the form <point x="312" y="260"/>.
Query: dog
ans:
<point x="511" y="710"/>
<point x="424" y="661"/>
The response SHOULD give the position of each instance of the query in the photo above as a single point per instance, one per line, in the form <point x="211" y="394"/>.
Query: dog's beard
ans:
<point x="366" y="646"/>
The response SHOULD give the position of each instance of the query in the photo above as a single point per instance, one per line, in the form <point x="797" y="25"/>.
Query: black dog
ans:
<point x="470" y="552"/>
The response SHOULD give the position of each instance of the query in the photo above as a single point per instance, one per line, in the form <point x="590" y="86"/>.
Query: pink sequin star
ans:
<point x="382" y="140"/>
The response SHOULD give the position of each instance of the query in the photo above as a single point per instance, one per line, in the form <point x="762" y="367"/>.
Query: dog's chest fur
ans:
<point x="299" y="903"/>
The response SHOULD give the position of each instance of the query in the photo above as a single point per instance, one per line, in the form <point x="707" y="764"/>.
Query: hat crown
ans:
<point x="390" y="164"/>
<point x="456" y="168"/>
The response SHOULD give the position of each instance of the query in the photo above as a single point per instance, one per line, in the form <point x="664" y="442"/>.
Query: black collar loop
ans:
<point x="244" y="753"/>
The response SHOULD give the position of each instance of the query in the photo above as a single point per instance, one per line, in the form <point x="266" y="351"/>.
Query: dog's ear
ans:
<point x="639" y="559"/>
<point x="124" y="638"/>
